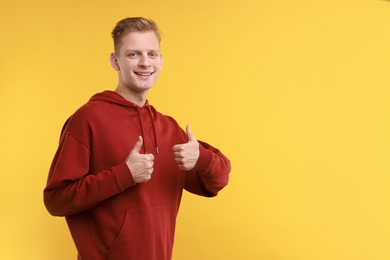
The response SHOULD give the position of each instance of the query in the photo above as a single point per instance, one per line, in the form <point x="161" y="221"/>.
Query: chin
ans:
<point x="144" y="88"/>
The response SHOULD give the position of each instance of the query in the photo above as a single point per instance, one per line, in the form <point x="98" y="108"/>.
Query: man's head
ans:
<point x="137" y="57"/>
<point x="133" y="24"/>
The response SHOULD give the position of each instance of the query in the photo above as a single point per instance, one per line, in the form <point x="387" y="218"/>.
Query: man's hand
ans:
<point x="140" y="165"/>
<point x="186" y="155"/>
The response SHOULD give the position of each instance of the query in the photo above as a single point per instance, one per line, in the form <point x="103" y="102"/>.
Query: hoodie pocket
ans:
<point x="146" y="233"/>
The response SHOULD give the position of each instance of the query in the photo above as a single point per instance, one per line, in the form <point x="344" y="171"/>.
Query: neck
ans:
<point x="138" y="98"/>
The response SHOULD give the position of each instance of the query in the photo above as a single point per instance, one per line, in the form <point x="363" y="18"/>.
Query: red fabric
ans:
<point x="109" y="216"/>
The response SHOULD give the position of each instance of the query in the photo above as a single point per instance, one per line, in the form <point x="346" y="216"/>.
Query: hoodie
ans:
<point x="89" y="182"/>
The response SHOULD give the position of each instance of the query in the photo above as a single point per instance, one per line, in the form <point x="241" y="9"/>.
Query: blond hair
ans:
<point x="133" y="24"/>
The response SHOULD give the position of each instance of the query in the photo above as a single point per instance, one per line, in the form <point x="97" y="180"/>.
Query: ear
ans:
<point x="161" y="61"/>
<point x="114" y="62"/>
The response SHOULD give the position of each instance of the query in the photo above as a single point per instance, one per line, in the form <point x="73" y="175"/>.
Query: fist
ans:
<point x="140" y="165"/>
<point x="186" y="155"/>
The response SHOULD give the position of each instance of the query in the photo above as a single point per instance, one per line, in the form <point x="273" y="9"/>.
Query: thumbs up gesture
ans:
<point x="186" y="155"/>
<point x="140" y="165"/>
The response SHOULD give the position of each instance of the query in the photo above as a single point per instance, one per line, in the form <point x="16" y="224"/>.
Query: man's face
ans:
<point x="138" y="61"/>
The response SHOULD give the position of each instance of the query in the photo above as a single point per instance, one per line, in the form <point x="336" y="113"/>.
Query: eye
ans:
<point x="154" y="54"/>
<point x="132" y="55"/>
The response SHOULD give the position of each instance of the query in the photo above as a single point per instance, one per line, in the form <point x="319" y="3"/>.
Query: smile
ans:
<point x="144" y="73"/>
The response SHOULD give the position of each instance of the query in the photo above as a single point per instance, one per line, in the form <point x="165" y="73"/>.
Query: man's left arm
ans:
<point x="207" y="169"/>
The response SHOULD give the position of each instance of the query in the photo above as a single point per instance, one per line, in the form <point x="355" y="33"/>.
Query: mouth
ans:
<point x="143" y="73"/>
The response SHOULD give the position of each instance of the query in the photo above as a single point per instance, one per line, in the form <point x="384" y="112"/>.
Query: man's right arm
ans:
<point x="71" y="189"/>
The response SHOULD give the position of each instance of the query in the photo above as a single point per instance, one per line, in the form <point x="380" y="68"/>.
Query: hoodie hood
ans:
<point x="115" y="98"/>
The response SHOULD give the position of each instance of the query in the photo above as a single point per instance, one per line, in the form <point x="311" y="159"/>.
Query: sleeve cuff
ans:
<point x="123" y="176"/>
<point x="204" y="159"/>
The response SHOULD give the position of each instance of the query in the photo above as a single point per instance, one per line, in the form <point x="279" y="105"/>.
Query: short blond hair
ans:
<point x="133" y="24"/>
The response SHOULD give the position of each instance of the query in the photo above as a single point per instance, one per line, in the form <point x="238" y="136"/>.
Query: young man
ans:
<point x="121" y="166"/>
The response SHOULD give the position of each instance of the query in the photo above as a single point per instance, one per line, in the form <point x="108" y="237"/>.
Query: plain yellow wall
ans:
<point x="296" y="93"/>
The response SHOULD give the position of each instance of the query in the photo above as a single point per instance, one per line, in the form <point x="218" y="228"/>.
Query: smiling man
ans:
<point x="138" y="61"/>
<point x="121" y="166"/>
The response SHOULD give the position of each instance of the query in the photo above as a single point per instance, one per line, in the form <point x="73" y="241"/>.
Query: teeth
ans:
<point x="143" y="74"/>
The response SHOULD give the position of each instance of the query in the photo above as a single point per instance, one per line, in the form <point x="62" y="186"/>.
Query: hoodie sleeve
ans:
<point x="71" y="188"/>
<point x="210" y="174"/>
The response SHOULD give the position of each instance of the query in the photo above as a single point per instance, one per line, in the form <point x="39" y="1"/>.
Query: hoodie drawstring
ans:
<point x="140" y="123"/>
<point x="153" y="126"/>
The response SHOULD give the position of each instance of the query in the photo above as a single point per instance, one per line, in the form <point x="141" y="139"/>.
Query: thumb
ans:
<point x="190" y="136"/>
<point x="138" y="145"/>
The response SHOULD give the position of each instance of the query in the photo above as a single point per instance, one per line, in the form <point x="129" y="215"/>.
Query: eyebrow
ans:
<point x="142" y="50"/>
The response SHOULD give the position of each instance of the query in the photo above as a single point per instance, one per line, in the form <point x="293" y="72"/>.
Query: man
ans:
<point x="121" y="166"/>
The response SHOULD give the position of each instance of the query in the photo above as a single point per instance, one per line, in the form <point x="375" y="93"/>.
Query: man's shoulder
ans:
<point x="85" y="113"/>
<point x="92" y="108"/>
<point x="80" y="123"/>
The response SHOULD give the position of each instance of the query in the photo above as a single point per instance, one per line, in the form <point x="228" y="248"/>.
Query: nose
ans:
<point x="144" y="61"/>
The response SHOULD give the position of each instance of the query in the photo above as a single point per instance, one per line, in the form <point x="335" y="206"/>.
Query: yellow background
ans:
<point x="295" y="93"/>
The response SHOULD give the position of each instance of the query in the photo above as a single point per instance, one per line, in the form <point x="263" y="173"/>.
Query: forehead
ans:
<point x="140" y="41"/>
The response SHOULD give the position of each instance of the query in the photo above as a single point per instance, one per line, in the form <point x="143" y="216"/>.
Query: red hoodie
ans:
<point x="108" y="214"/>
